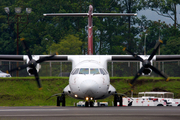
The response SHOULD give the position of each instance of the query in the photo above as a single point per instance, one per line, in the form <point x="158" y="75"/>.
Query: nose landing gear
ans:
<point x="89" y="102"/>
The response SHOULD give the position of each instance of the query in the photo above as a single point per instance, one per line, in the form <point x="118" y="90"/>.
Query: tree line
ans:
<point x="68" y="35"/>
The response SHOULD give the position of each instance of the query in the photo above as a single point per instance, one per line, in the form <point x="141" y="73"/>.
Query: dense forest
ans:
<point x="68" y="35"/>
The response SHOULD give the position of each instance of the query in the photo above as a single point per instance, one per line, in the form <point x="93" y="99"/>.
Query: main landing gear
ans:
<point x="61" y="99"/>
<point x="118" y="99"/>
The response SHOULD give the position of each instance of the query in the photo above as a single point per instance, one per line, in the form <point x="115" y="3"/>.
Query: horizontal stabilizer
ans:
<point x="93" y="14"/>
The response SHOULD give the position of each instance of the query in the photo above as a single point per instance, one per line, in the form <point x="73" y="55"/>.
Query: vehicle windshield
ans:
<point x="84" y="71"/>
<point x="94" y="71"/>
<point x="0" y="71"/>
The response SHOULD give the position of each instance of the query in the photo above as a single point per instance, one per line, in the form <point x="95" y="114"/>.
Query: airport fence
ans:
<point x="115" y="69"/>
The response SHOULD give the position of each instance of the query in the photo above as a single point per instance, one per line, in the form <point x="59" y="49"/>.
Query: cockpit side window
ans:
<point x="73" y="71"/>
<point x="94" y="71"/>
<point x="84" y="71"/>
<point x="105" y="71"/>
<point x="102" y="71"/>
<point x="76" y="71"/>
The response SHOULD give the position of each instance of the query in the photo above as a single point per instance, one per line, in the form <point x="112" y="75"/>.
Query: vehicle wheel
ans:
<point x="179" y="105"/>
<point x="159" y="105"/>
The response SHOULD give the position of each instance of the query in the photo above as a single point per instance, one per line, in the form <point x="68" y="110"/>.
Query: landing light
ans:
<point x="75" y="95"/>
<point x="91" y="98"/>
<point x="87" y="98"/>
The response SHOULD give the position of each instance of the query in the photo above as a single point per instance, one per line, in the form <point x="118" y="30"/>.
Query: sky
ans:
<point x="152" y="15"/>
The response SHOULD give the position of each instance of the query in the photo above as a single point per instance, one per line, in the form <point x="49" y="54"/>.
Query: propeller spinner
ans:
<point x="146" y="64"/>
<point x="32" y="63"/>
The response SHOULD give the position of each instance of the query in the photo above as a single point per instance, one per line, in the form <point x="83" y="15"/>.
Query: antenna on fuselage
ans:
<point x="90" y="15"/>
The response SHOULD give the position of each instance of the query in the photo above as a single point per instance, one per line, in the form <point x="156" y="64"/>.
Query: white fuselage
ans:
<point x="90" y="80"/>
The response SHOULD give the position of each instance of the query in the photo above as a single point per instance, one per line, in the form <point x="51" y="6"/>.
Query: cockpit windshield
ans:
<point x="94" y="71"/>
<point x="84" y="71"/>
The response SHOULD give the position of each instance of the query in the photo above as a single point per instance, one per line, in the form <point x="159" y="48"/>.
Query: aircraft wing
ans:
<point x="159" y="58"/>
<point x="15" y="58"/>
<point x="21" y="58"/>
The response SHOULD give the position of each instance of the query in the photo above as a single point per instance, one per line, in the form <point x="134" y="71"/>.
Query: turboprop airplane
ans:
<point x="89" y="79"/>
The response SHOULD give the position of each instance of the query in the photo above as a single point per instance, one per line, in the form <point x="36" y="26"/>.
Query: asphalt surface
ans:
<point x="89" y="113"/>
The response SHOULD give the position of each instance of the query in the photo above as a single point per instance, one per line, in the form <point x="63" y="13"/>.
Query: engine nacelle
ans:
<point x="147" y="71"/>
<point x="30" y="70"/>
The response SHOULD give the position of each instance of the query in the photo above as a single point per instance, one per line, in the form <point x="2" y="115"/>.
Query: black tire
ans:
<point x="58" y="101"/>
<point x="115" y="99"/>
<point x="63" y="101"/>
<point x="86" y="104"/>
<point x="91" y="104"/>
<point x="120" y="101"/>
<point x="159" y="105"/>
<point x="179" y="105"/>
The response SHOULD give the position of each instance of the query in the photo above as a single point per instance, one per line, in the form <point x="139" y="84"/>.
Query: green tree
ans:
<point x="166" y="8"/>
<point x="172" y="46"/>
<point x="70" y="45"/>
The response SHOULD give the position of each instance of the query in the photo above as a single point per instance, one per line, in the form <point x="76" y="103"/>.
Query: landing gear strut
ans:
<point x="61" y="99"/>
<point x="117" y="99"/>
<point x="87" y="103"/>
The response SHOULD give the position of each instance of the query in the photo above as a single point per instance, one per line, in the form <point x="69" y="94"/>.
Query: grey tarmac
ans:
<point x="89" y="113"/>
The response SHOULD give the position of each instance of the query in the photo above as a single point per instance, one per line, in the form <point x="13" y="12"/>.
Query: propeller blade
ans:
<point x="137" y="75"/>
<point x="26" y="48"/>
<point x="19" y="68"/>
<point x="37" y="78"/>
<point x="158" y="72"/>
<point x="134" y="55"/>
<point x="45" y="58"/>
<point x="155" y="49"/>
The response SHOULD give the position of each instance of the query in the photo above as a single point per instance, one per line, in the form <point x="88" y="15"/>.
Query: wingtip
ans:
<point x="124" y="48"/>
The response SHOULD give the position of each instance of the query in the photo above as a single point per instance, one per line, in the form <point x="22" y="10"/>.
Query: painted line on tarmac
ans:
<point x="21" y="110"/>
<point x="84" y="115"/>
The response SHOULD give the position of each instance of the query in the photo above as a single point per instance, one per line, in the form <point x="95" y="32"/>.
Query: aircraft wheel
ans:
<point x="115" y="99"/>
<point x="58" y="101"/>
<point x="91" y="104"/>
<point x="63" y="100"/>
<point x="86" y="104"/>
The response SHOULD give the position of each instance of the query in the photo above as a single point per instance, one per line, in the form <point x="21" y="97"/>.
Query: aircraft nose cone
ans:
<point x="89" y="87"/>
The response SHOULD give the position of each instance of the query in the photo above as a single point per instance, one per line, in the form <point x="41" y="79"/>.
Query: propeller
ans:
<point x="147" y="63"/>
<point x="32" y="63"/>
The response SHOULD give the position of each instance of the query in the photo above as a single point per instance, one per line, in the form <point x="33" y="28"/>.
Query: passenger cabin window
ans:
<point x="84" y="71"/>
<point x="94" y="71"/>
<point x="102" y="71"/>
